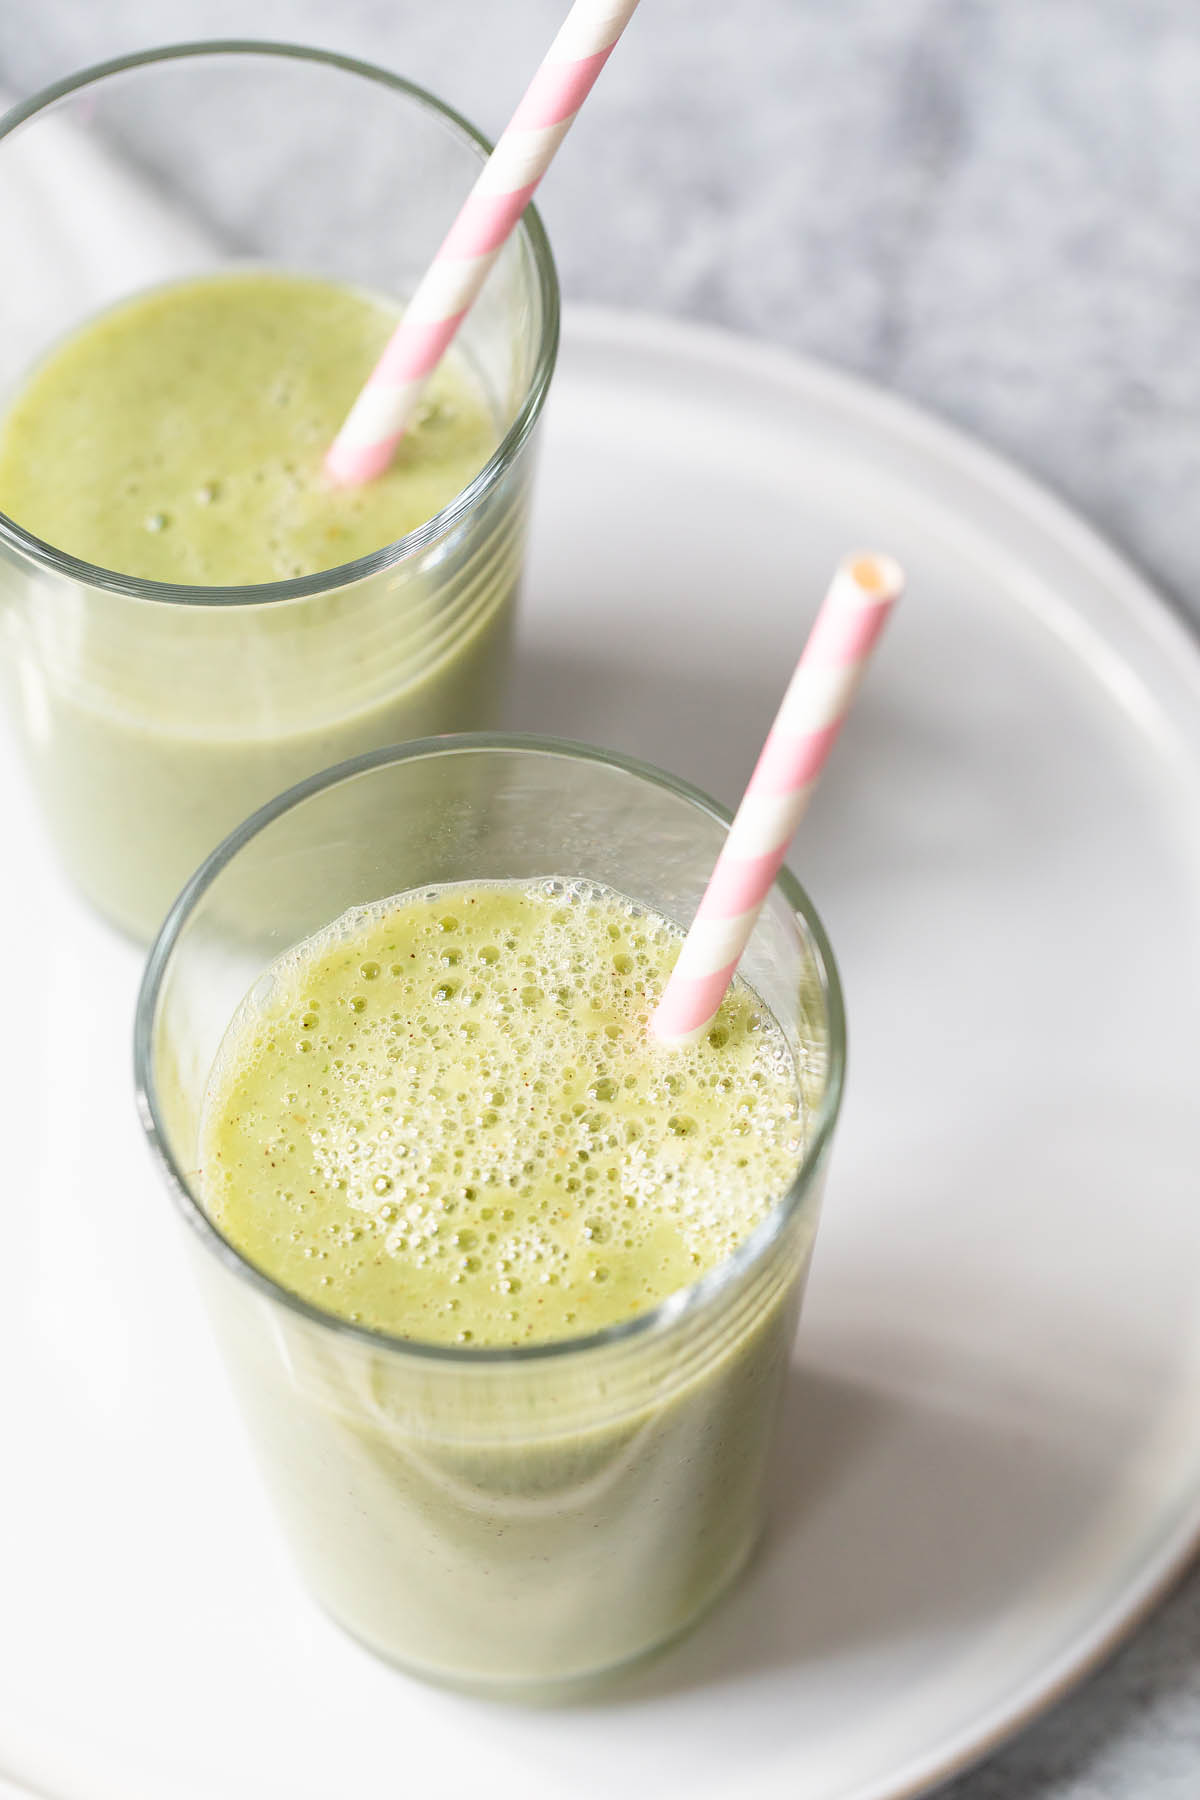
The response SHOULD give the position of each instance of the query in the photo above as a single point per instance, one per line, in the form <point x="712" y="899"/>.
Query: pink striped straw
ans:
<point x="367" y="441"/>
<point x="862" y="594"/>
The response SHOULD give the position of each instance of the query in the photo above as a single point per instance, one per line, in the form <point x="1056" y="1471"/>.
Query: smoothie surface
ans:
<point x="180" y="436"/>
<point x="444" y="1118"/>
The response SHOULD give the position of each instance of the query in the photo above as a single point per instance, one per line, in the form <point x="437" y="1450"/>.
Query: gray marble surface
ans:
<point x="989" y="205"/>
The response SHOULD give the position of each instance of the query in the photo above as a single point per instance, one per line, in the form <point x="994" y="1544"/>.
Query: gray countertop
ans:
<point x="988" y="205"/>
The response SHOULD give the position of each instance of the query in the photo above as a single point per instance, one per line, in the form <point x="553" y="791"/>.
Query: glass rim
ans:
<point x="389" y="556"/>
<point x="651" y="1324"/>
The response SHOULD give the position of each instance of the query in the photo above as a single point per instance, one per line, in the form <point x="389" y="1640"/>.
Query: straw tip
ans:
<point x="875" y="574"/>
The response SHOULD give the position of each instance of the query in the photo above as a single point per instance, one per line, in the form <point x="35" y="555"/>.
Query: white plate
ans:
<point x="991" y="1462"/>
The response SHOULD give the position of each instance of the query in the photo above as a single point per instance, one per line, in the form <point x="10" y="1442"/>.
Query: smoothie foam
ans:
<point x="443" y="1118"/>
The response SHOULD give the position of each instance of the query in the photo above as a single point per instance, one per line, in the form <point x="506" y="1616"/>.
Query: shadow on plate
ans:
<point x="691" y="723"/>
<point x="890" y="1520"/>
<point x="707" y="724"/>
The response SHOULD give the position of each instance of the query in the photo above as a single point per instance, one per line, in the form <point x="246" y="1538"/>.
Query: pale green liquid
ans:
<point x="447" y="1120"/>
<point x="180" y="437"/>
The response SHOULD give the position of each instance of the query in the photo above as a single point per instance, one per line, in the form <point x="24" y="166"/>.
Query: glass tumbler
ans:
<point x="153" y="717"/>
<point x="504" y="1519"/>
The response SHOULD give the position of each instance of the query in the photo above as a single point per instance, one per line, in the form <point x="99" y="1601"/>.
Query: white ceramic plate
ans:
<point x="991" y="1459"/>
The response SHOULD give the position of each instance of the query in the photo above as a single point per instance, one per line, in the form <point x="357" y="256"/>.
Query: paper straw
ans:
<point x="863" y="592"/>
<point x="367" y="441"/>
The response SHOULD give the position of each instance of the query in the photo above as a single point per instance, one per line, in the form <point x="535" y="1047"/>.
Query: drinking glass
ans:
<point x="508" y="1519"/>
<point x="152" y="716"/>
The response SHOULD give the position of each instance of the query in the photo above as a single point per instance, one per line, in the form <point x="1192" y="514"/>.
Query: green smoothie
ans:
<point x="179" y="438"/>
<point x="447" y="1122"/>
<point x="442" y="1119"/>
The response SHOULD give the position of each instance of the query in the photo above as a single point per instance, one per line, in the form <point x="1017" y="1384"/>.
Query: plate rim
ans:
<point x="1007" y="481"/>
